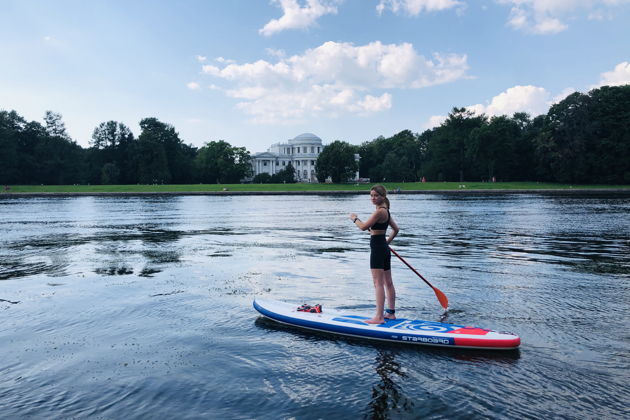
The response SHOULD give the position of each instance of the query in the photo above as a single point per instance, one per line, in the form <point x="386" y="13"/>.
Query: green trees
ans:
<point x="337" y="162"/>
<point x="33" y="154"/>
<point x="583" y="139"/>
<point x="397" y="158"/>
<point x="112" y="154"/>
<point x="163" y="157"/>
<point x="586" y="138"/>
<point x="491" y="148"/>
<point x="285" y="176"/>
<point x="11" y="125"/>
<point x="448" y="149"/>
<point x="219" y="162"/>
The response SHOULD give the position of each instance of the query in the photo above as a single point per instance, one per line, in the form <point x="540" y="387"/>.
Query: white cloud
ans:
<point x="193" y="86"/>
<point x="333" y="79"/>
<point x="201" y="58"/>
<point x="371" y="103"/>
<point x="224" y="60"/>
<point x="297" y="17"/>
<point x="434" y="121"/>
<point x="562" y="95"/>
<point x="546" y="16"/>
<point x="415" y="7"/>
<point x="531" y="99"/>
<point x="276" y="52"/>
<point x="617" y="77"/>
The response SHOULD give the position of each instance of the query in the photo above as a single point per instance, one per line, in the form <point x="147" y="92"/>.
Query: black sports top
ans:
<point x="383" y="225"/>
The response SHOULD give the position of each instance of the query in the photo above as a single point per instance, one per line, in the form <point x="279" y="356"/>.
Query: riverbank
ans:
<point x="304" y="189"/>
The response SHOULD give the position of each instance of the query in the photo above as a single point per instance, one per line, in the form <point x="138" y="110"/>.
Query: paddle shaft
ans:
<point x="412" y="269"/>
<point x="438" y="293"/>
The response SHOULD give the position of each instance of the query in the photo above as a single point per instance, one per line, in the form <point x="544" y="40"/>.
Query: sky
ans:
<point x="257" y="72"/>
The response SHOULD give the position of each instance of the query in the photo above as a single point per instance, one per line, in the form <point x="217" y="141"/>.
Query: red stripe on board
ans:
<point x="479" y="342"/>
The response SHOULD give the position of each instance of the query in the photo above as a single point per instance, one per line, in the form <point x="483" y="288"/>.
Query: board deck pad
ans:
<point x="400" y="330"/>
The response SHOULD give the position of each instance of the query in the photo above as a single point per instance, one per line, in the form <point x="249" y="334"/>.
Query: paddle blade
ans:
<point x="441" y="297"/>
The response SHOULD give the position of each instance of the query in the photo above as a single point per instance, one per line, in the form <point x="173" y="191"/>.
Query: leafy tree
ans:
<point x="110" y="173"/>
<point x="447" y="148"/>
<point x="397" y="158"/>
<point x="113" y="143"/>
<point x="609" y="150"/>
<point x="285" y="176"/>
<point x="337" y="161"/>
<point x="262" y="178"/>
<point x="562" y="144"/>
<point x="168" y="159"/>
<point x="55" y="126"/>
<point x="491" y="147"/>
<point x="11" y="124"/>
<point x="219" y="162"/>
<point x="152" y="162"/>
<point x="110" y="134"/>
<point x="523" y="167"/>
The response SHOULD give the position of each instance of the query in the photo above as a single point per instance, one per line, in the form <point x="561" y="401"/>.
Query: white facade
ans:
<point x="302" y="151"/>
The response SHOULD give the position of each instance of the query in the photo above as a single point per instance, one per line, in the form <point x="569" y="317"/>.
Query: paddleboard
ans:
<point x="400" y="330"/>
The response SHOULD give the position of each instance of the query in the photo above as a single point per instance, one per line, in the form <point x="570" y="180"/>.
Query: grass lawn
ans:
<point x="409" y="186"/>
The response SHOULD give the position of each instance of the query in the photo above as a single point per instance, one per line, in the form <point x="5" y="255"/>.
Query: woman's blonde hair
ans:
<point x="382" y="191"/>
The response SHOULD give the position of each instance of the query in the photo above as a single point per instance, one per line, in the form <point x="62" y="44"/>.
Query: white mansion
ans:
<point x="301" y="151"/>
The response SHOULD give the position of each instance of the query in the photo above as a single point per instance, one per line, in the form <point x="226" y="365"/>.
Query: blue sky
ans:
<point x="255" y="72"/>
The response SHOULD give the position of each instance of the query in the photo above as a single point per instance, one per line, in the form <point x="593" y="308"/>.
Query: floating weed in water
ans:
<point x="174" y="292"/>
<point x="148" y="272"/>
<point x="220" y="254"/>
<point x="114" y="271"/>
<point x="10" y="301"/>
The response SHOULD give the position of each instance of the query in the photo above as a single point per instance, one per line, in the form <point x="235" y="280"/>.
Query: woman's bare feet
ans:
<point x="375" y="321"/>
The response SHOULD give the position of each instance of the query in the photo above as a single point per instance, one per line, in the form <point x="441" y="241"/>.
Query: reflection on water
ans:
<point x="141" y="306"/>
<point x="386" y="394"/>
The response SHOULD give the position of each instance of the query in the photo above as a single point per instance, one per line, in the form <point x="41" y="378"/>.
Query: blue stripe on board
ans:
<point x="358" y="332"/>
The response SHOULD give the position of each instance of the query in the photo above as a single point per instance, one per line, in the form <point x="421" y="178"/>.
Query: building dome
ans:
<point x="309" y="138"/>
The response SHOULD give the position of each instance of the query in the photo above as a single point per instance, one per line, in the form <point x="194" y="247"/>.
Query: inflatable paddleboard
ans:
<point x="399" y="330"/>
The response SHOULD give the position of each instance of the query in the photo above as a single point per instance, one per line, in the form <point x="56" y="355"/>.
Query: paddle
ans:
<point x="438" y="293"/>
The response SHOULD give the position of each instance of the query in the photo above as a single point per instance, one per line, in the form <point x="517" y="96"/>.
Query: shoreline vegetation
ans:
<point x="303" y="189"/>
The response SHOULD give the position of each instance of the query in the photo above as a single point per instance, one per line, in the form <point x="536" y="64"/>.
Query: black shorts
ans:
<point x="380" y="256"/>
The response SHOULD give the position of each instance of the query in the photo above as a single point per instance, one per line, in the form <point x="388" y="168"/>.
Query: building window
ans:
<point x="318" y="149"/>
<point x="313" y="162"/>
<point x="264" y="163"/>
<point x="305" y="173"/>
<point x="298" y="150"/>
<point x="284" y="163"/>
<point x="312" y="149"/>
<point x="298" y="163"/>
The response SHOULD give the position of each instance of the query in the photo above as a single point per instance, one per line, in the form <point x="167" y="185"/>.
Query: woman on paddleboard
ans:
<point x="380" y="256"/>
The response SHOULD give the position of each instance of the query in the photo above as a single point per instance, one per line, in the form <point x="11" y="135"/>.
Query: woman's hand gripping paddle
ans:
<point x="438" y="293"/>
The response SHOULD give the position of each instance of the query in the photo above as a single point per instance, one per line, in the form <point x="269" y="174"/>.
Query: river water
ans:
<point x="141" y="307"/>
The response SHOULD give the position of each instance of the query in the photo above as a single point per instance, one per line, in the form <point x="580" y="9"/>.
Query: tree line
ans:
<point x="585" y="138"/>
<point x="32" y="153"/>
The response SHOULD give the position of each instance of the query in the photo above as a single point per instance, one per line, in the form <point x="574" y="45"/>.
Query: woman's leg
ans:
<point x="379" y="291"/>
<point x="390" y="293"/>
